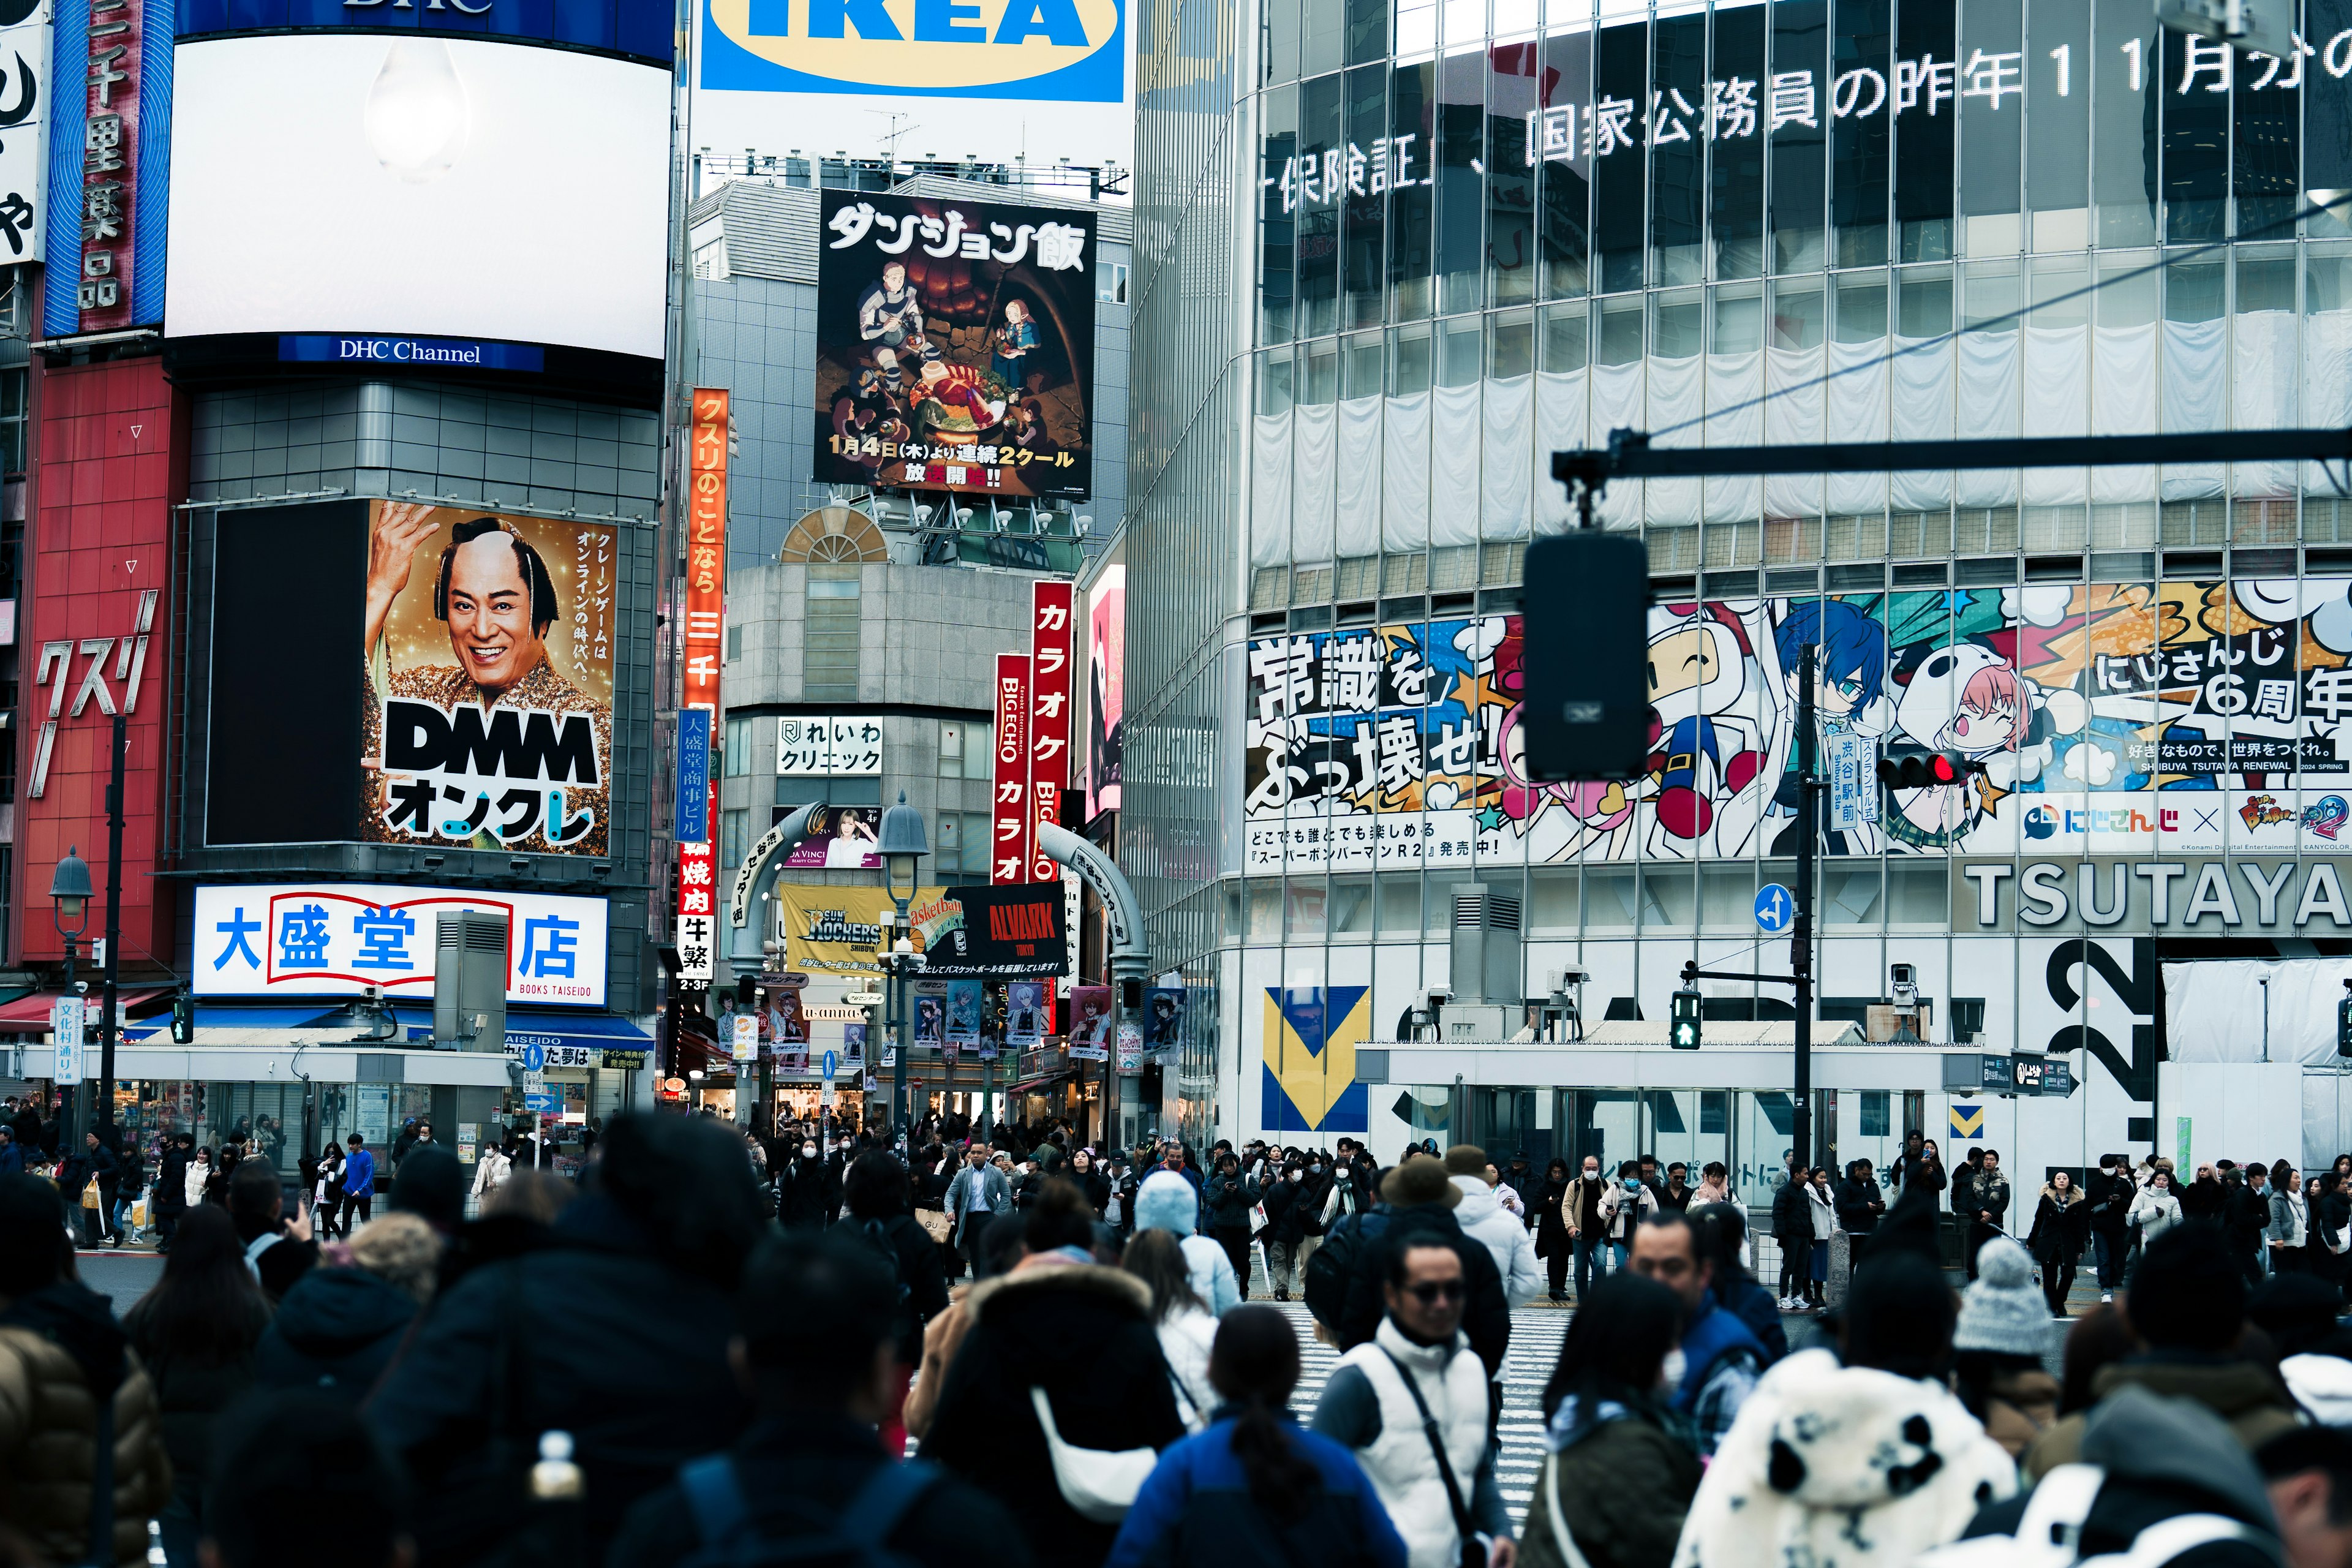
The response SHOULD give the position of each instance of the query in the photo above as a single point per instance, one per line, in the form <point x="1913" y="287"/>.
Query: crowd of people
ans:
<point x="698" y="1354"/>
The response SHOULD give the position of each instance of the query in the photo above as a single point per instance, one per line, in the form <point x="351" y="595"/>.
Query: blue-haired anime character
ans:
<point x="1849" y="675"/>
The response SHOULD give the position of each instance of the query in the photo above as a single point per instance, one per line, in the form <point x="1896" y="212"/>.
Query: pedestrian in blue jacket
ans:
<point x="1256" y="1490"/>
<point x="358" y="1182"/>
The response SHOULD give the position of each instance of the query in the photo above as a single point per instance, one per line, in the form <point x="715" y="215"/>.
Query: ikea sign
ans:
<point x="1065" y="51"/>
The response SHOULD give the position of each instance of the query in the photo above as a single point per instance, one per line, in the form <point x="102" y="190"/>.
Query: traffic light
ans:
<point x="1585" y="656"/>
<point x="1920" y="769"/>
<point x="1682" y="1033"/>
<point x="183" y="1019"/>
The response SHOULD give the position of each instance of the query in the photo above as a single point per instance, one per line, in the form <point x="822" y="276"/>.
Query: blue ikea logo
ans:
<point x="1065" y="51"/>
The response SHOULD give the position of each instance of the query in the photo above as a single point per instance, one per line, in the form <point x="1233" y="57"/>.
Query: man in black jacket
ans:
<point x="172" y="1188"/>
<point x="1986" y="1208"/>
<point x="813" y="1348"/>
<point x="2109" y="1191"/>
<point x="279" y="1251"/>
<point x="1421" y="1199"/>
<point x="640" y="1280"/>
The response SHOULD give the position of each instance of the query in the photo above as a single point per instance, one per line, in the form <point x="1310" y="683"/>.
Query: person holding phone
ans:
<point x="278" y="1250"/>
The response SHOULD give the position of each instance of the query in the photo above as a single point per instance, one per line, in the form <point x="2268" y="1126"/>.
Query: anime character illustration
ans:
<point x="1025" y="1020"/>
<point x="1848" y="698"/>
<point x="963" y="1010"/>
<point x="1163" y="1016"/>
<point x="1090" y="1009"/>
<point x="1964" y="698"/>
<point x="890" y="310"/>
<point x="1708" y="752"/>
<point x="1011" y="343"/>
<point x="930" y="1018"/>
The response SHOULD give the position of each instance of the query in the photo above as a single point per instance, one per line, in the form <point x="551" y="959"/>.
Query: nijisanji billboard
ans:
<point x="955" y="346"/>
<point x="486" y="712"/>
<point x="2112" y="718"/>
<point x="1049" y="51"/>
<point x="337" y="939"/>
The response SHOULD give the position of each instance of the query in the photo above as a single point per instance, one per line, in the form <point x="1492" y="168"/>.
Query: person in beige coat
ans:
<point x="62" y="1352"/>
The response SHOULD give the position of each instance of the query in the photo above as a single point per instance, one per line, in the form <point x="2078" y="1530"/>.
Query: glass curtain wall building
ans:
<point x="1471" y="233"/>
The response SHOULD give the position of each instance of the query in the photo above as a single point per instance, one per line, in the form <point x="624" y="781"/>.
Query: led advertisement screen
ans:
<point x="450" y="204"/>
<point x="955" y="346"/>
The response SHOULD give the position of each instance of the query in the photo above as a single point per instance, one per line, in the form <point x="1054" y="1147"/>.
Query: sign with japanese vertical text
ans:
<point x="706" y="602"/>
<point x="1009" y="820"/>
<point x="1051" y="606"/>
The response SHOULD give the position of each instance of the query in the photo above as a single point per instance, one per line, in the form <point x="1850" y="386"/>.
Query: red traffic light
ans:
<point x="1921" y="769"/>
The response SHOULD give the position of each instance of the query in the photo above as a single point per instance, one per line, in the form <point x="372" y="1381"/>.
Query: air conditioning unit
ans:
<point x="1485" y="948"/>
<point x="470" y="981"/>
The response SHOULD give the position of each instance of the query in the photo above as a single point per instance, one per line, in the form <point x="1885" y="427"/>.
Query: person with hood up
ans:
<point x="2062" y="1222"/>
<point x="1482" y="1219"/>
<point x="1997" y="1348"/>
<point x="196" y="1332"/>
<point x="1253" y="1487"/>
<point x="640" y="1276"/>
<point x="338" y="1326"/>
<point x="1188" y="1329"/>
<point x="61" y="1353"/>
<point x="806" y="1193"/>
<point x="1060" y="1338"/>
<point x="2155" y="1208"/>
<point x="2186" y="1307"/>
<point x="1864" y="1463"/>
<point x="1552" y="1244"/>
<point x="1167" y="1200"/>
<point x="2160" y="1483"/>
<point x="1619" y="1470"/>
<point x="1412" y="1402"/>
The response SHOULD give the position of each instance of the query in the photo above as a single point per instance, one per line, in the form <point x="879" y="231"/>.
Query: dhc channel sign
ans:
<point x="1067" y="51"/>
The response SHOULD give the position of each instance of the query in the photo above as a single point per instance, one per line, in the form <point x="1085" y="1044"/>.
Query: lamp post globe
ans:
<point x="902" y="845"/>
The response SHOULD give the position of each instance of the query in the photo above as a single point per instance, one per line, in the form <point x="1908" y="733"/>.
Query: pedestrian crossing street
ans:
<point x="1535" y="1334"/>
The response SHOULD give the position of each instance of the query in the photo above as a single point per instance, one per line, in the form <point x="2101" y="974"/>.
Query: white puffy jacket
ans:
<point x="1485" y="1219"/>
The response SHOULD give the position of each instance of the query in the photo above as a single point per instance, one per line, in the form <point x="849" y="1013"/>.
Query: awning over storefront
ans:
<point x="29" y="1015"/>
<point x="1024" y="1086"/>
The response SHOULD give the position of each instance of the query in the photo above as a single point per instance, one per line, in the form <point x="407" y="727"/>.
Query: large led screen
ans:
<point x="421" y="185"/>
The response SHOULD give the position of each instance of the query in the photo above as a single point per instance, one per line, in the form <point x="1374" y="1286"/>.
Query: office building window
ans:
<point x="739" y="748"/>
<point x="829" y="651"/>
<point x="952" y="750"/>
<point x="730" y="837"/>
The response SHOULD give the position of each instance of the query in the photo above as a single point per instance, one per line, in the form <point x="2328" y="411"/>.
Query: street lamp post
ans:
<point x="70" y="892"/>
<point x="902" y="845"/>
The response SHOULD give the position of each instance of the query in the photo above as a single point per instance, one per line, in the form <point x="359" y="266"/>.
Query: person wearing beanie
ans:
<point x="1483" y="1219"/>
<point x="1166" y="1200"/>
<point x="1997" y="1346"/>
<point x="2185" y="1305"/>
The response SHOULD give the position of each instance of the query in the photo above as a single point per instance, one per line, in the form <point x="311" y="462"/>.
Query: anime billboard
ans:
<point x="955" y="346"/>
<point x="2112" y="717"/>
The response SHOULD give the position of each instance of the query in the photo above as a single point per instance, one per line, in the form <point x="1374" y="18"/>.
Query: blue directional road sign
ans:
<point x="832" y="1065"/>
<point x="534" y="1057"/>
<point x="1775" y="911"/>
<point x="544" y="1104"/>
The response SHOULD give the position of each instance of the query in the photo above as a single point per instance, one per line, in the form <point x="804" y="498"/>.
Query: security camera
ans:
<point x="1903" y="985"/>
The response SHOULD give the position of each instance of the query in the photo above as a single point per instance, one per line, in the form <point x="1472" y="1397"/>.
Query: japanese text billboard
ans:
<point x="2108" y="718"/>
<point x="704" y="527"/>
<point x="337" y="939"/>
<point x="1050" y="649"/>
<point x="1010" y="825"/>
<point x="836" y="931"/>
<point x="486" y="717"/>
<point x="955" y="346"/>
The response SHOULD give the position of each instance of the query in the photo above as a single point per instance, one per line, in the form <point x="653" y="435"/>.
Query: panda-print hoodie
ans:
<point x="1842" y="1467"/>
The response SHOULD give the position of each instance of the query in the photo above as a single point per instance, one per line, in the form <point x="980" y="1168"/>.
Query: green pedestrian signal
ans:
<point x="1682" y="1033"/>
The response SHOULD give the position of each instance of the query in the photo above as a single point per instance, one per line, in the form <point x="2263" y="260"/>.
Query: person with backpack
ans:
<point x="809" y="1485"/>
<point x="1421" y="1199"/>
<point x="877" y="1191"/>
<point x="1297" y="1497"/>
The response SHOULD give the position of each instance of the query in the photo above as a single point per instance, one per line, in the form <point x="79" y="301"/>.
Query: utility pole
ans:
<point x="1801" y="940"/>
<point x="108" y="1020"/>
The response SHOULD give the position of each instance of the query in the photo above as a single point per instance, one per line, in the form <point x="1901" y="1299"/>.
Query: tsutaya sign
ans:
<point x="2210" y="895"/>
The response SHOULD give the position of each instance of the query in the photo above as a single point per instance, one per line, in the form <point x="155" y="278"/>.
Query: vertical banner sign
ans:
<point x="111" y="169"/>
<point x="706" y="601"/>
<point x="1008" y="833"/>
<point x="1050" y="610"/>
<point x="24" y="114"/>
<point x="693" y="774"/>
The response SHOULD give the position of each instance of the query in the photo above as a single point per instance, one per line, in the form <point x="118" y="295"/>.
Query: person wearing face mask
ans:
<point x="806" y="1191"/>
<point x="1286" y="1209"/>
<point x="1579" y="1214"/>
<point x="1619" y="1470"/>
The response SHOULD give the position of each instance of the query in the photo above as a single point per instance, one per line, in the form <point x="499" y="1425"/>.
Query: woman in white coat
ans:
<point x="1188" y="1329"/>
<point x="2156" y="1209"/>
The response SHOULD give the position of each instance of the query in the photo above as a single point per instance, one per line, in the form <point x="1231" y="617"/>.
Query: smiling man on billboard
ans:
<point x="497" y="750"/>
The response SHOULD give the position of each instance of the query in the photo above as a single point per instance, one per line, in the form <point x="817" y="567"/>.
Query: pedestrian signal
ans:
<point x="1920" y="769"/>
<point x="1682" y="1033"/>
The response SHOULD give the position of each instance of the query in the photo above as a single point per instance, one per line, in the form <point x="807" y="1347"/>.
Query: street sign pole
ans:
<point x="1801" y="944"/>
